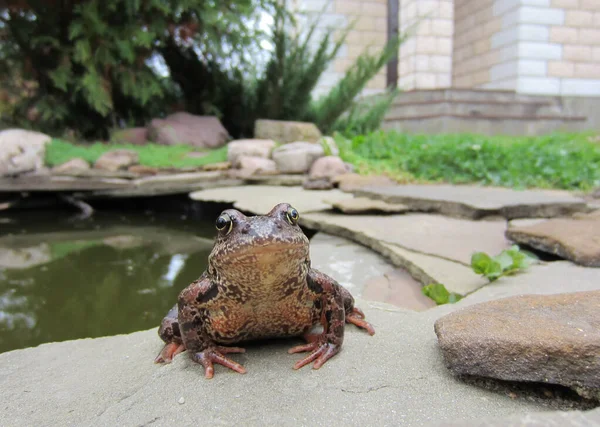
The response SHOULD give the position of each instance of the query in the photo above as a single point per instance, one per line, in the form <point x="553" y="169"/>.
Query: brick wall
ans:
<point x="425" y="59"/>
<point x="369" y="33"/>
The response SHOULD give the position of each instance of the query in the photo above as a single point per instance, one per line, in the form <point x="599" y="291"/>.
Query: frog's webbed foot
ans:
<point x="169" y="351"/>
<point x="321" y="352"/>
<point x="216" y="355"/>
<point x="357" y="317"/>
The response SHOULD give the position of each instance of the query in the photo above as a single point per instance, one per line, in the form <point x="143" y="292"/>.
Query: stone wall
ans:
<point x="425" y="59"/>
<point x="369" y="32"/>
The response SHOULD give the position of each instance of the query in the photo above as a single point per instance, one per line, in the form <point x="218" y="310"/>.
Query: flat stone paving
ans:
<point x="396" y="377"/>
<point x="476" y="202"/>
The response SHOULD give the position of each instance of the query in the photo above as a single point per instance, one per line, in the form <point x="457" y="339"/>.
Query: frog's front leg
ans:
<point x="169" y="333"/>
<point x="193" y="307"/>
<point x="332" y="317"/>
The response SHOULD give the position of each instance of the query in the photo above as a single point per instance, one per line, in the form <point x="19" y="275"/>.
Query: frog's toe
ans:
<point x="216" y="355"/>
<point x="357" y="317"/>
<point x="168" y="352"/>
<point x="321" y="353"/>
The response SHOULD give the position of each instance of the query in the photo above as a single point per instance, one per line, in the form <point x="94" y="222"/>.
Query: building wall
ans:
<point x="549" y="47"/>
<point x="425" y="59"/>
<point x="369" y="33"/>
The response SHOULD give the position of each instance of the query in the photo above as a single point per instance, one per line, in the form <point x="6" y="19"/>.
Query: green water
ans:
<point x="63" y="279"/>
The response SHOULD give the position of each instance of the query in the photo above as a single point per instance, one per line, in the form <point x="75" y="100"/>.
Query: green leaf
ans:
<point x="439" y="293"/>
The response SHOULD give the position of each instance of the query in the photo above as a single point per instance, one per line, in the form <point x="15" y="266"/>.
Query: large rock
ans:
<point x="137" y="136"/>
<point x="115" y="160"/>
<point x="363" y="205"/>
<point x="71" y="166"/>
<point x="297" y="157"/>
<point x="285" y="131"/>
<point x="547" y="339"/>
<point x="576" y="239"/>
<point x="249" y="147"/>
<point x="476" y="202"/>
<point x="22" y="151"/>
<point x="185" y="128"/>
<point x="327" y="167"/>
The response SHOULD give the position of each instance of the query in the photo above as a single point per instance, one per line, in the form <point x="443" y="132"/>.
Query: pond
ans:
<point x="63" y="278"/>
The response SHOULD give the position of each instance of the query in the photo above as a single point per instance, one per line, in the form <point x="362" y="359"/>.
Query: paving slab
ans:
<point x="576" y="239"/>
<point x="477" y="202"/>
<point x="396" y="377"/>
<point x="260" y="199"/>
<point x="366" y="273"/>
<point x="363" y="205"/>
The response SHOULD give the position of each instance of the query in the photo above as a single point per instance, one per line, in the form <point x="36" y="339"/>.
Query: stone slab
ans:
<point x="362" y="205"/>
<point x="477" y="201"/>
<point x="260" y="199"/>
<point x="396" y="377"/>
<point x="576" y="239"/>
<point x="448" y="238"/>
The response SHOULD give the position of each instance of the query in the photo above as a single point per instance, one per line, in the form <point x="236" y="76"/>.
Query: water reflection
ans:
<point x="109" y="276"/>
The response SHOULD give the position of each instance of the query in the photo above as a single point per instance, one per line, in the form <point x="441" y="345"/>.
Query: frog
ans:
<point x="258" y="285"/>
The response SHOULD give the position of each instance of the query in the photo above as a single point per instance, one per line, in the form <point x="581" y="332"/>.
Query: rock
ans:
<point x="260" y="199"/>
<point x="286" y="131"/>
<point x="249" y="147"/>
<point x="317" y="184"/>
<point x="185" y="128"/>
<point x="137" y="136"/>
<point x="547" y="339"/>
<point x="71" y="166"/>
<point x="327" y="167"/>
<point x="278" y="180"/>
<point x="249" y="165"/>
<point x="22" y="258"/>
<point x="22" y="151"/>
<point x="476" y="201"/>
<point x="115" y="160"/>
<point x="397" y="287"/>
<point x="393" y="378"/>
<point x="362" y="205"/>
<point x="220" y="166"/>
<point x="576" y="239"/>
<point x="143" y="170"/>
<point x="296" y="157"/>
<point x="351" y="181"/>
<point x="330" y="146"/>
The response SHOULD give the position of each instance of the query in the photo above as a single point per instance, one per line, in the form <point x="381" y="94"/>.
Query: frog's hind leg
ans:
<point x="170" y="334"/>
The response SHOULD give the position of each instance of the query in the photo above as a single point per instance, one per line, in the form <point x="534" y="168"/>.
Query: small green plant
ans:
<point x="509" y="261"/>
<point x="441" y="295"/>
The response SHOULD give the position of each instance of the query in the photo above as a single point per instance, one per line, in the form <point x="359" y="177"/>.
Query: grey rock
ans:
<point x="362" y="205"/>
<point x="330" y="146"/>
<point x="282" y="180"/>
<point x="317" y="184"/>
<point x="74" y="165"/>
<point x="296" y="157"/>
<point x="547" y="339"/>
<point x="249" y="165"/>
<point x="395" y="377"/>
<point x="115" y="160"/>
<point x="286" y="131"/>
<point x="327" y="167"/>
<point x="189" y="129"/>
<point x="249" y="147"/>
<point x="477" y="202"/>
<point x="352" y="181"/>
<point x="576" y="239"/>
<point x="22" y="151"/>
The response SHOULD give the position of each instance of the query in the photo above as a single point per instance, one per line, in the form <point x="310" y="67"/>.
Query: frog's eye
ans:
<point x="292" y="216"/>
<point x="224" y="221"/>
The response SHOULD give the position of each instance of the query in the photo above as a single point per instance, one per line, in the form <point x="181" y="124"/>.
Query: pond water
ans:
<point x="64" y="279"/>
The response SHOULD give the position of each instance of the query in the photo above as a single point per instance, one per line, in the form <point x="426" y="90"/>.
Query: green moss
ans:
<point x="560" y="160"/>
<point x="153" y="155"/>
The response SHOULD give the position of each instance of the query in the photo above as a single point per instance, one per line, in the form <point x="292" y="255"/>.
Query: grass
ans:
<point x="153" y="155"/>
<point x="563" y="161"/>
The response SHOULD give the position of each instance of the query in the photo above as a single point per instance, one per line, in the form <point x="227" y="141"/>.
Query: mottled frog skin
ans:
<point x="258" y="284"/>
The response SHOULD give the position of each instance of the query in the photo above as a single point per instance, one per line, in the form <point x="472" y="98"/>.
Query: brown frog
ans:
<point x="258" y="284"/>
